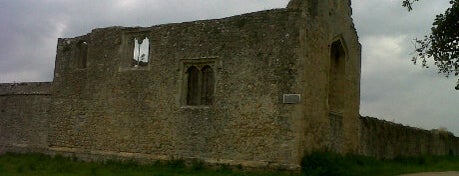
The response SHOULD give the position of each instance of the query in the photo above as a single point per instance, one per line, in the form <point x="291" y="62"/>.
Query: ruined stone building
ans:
<point x="259" y="89"/>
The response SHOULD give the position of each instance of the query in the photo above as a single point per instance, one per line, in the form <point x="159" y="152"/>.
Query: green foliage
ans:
<point x="408" y="4"/>
<point x="322" y="163"/>
<point x="442" y="45"/>
<point x="319" y="163"/>
<point x="176" y="163"/>
<point x="39" y="164"/>
<point x="224" y="168"/>
<point x="197" y="165"/>
<point x="326" y="163"/>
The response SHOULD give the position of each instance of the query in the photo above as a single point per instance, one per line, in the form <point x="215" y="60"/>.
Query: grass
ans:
<point x="39" y="164"/>
<point x="325" y="163"/>
<point x="316" y="164"/>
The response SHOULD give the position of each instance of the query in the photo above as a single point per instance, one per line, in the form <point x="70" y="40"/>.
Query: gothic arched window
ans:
<point x="193" y="86"/>
<point x="207" y="85"/>
<point x="337" y="78"/>
<point x="81" y="54"/>
<point x="199" y="85"/>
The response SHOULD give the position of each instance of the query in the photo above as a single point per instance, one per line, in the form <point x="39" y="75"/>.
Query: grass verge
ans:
<point x="316" y="164"/>
<point x="325" y="163"/>
<point x="40" y="164"/>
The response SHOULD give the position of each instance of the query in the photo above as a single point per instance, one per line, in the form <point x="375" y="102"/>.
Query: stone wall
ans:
<point x="103" y="104"/>
<point x="24" y="109"/>
<point x="323" y="24"/>
<point x="108" y="106"/>
<point x="383" y="139"/>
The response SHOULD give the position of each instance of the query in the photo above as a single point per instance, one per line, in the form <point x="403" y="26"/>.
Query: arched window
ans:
<point x="336" y="78"/>
<point x="200" y="82"/>
<point x="81" y="54"/>
<point x="193" y="86"/>
<point x="207" y="85"/>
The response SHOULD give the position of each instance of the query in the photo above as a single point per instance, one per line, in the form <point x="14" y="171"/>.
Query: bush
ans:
<point x="197" y="165"/>
<point x="176" y="163"/>
<point x="326" y="163"/>
<point x="322" y="163"/>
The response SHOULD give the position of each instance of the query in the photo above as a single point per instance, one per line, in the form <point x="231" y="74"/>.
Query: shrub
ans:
<point x="322" y="163"/>
<point x="176" y="163"/>
<point x="197" y="164"/>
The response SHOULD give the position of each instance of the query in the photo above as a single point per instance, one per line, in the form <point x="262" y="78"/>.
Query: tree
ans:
<point x="442" y="44"/>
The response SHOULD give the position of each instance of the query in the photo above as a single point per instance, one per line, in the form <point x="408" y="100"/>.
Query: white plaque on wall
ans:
<point x="291" y="98"/>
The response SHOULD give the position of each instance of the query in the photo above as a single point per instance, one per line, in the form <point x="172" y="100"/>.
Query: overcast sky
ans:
<point x="392" y="88"/>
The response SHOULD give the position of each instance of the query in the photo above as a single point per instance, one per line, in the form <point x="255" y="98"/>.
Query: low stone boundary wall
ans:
<point x="24" y="113"/>
<point x="383" y="139"/>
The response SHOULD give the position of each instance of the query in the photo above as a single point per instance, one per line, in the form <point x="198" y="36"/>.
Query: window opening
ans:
<point x="336" y="78"/>
<point x="82" y="52"/>
<point x="193" y="86"/>
<point x="207" y="85"/>
<point x="141" y="52"/>
<point x="199" y="85"/>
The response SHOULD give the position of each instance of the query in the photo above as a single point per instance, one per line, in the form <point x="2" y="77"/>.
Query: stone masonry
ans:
<point x="258" y="90"/>
<point x="213" y="89"/>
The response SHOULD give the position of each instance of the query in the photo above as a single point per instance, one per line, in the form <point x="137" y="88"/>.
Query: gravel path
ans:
<point x="452" y="173"/>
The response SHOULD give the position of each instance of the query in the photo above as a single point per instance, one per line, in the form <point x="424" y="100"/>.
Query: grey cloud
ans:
<point x="392" y="87"/>
<point x="390" y="18"/>
<point x="30" y="28"/>
<point x="26" y="45"/>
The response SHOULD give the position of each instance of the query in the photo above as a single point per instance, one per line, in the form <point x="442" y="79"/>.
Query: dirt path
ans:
<point x="451" y="173"/>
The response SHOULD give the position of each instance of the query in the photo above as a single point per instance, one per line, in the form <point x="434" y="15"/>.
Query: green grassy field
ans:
<point x="327" y="164"/>
<point x="39" y="164"/>
<point x="323" y="163"/>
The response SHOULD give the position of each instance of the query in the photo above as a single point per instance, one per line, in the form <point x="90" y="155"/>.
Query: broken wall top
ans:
<point x="27" y="88"/>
